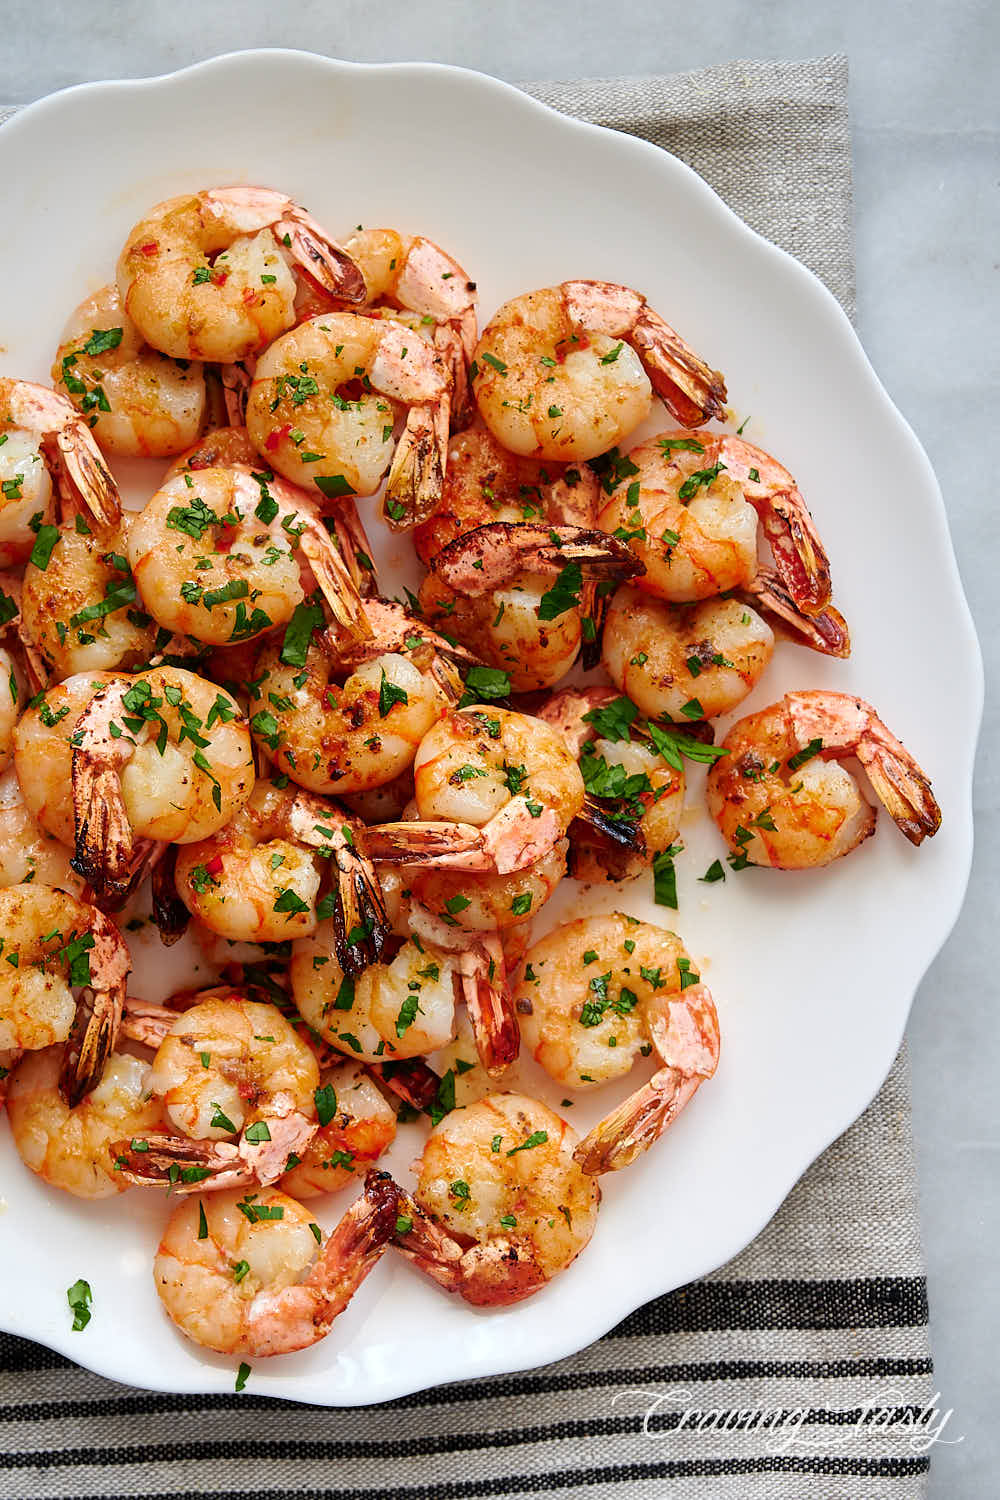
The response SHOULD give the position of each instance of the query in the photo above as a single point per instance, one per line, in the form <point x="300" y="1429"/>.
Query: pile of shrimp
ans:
<point x="213" y="720"/>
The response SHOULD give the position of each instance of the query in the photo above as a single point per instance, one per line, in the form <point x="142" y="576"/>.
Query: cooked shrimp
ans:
<point x="80" y="611"/>
<point x="349" y="737"/>
<point x="203" y="276"/>
<point x="321" y="411"/>
<point x="413" y="273"/>
<point x="688" y="505"/>
<point x="221" y="558"/>
<point x="507" y="774"/>
<point x="70" y="1148"/>
<point x="486" y="483"/>
<point x="565" y="372"/>
<point x="500" y="1205"/>
<point x="52" y="944"/>
<point x="516" y="560"/>
<point x="356" y="1126"/>
<point x="684" y="662"/>
<point x="780" y="797"/>
<point x="162" y="756"/>
<point x="597" y="993"/>
<point x="405" y="1007"/>
<point x="259" y="1280"/>
<point x="485" y="902"/>
<point x="238" y="1083"/>
<point x="634" y="794"/>
<point x="219" y="448"/>
<point x="27" y="851"/>
<point x="258" y="879"/>
<point x="137" y="402"/>
<point x="43" y="435"/>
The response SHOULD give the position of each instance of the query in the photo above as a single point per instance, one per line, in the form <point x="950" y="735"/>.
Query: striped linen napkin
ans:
<point x="802" y="1368"/>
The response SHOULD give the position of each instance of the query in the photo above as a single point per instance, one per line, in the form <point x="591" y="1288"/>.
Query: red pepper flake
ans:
<point x="214" y="866"/>
<point x="276" y="436"/>
<point x="225" y="538"/>
<point x="218" y="278"/>
<point x="150" y="249"/>
<point x="250" y="297"/>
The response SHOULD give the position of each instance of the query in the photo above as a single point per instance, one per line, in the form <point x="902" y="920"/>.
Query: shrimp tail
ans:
<point x="424" y="1243"/>
<point x="687" y="386"/>
<point x="146" y="1023"/>
<point x="187" y="1166"/>
<point x="490" y="556"/>
<point x="900" y="785"/>
<point x="826" y="631"/>
<point x="95" y="1029"/>
<point x="104" y="840"/>
<point x="395" y="629"/>
<point x="355" y="548"/>
<point x="360" y="922"/>
<point x="322" y="259"/>
<point x="632" y="1128"/>
<point x="483" y="980"/>
<point x="91" y="1042"/>
<point x="444" y="846"/>
<point x="87" y="474"/>
<point x="502" y="1271"/>
<point x="169" y="912"/>
<point x="798" y="552"/>
<point x="410" y="1079"/>
<point x="336" y="584"/>
<point x="415" y="486"/>
<point x="602" y="816"/>
<point x="236" y="379"/>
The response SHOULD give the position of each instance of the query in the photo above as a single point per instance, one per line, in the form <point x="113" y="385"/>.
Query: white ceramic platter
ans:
<point x="813" y="974"/>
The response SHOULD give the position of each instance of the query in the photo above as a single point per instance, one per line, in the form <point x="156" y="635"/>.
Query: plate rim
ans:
<point x="972" y="663"/>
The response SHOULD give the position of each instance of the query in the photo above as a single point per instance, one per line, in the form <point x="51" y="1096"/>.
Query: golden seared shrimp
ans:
<point x="42" y="436"/>
<point x="346" y="729"/>
<point x="162" y="756"/>
<point x="258" y="879"/>
<point x="485" y="902"/>
<point x="80" y="611"/>
<point x="780" y="797"/>
<point x="204" y="276"/>
<point x="411" y="272"/>
<point x="635" y="795"/>
<point x="27" y="851"/>
<point x="684" y="662"/>
<point x="219" y="448"/>
<point x="403" y="1007"/>
<point x="500" y="1205"/>
<point x="507" y="774"/>
<point x="70" y="1148"/>
<point x="322" y="411"/>
<point x="237" y="1081"/>
<point x="689" y="503"/>
<point x="569" y="371"/>
<point x="229" y="554"/>
<point x="515" y="561"/>
<point x="595" y="995"/>
<point x="52" y="944"/>
<point x="260" y="1280"/>
<point x="356" y="1125"/>
<point x="137" y="401"/>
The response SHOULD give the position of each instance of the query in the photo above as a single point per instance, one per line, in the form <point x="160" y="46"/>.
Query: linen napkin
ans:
<point x="802" y="1368"/>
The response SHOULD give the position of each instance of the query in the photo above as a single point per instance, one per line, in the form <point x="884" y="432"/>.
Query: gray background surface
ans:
<point x="925" y="132"/>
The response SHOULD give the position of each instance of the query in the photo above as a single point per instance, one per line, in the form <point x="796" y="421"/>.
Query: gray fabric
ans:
<point x="824" y="1313"/>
